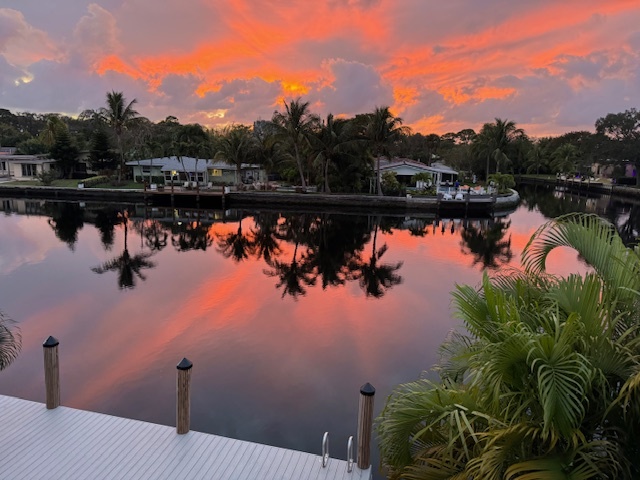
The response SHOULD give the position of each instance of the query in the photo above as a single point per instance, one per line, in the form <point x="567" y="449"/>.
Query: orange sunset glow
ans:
<point x="552" y="67"/>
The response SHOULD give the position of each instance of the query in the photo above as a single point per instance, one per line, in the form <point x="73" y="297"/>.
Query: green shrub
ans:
<point x="503" y="181"/>
<point x="94" y="181"/>
<point x="47" y="178"/>
<point x="390" y="184"/>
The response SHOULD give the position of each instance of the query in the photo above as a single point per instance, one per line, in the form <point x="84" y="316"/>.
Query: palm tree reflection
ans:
<point x="128" y="267"/>
<point x="376" y="278"/>
<point x="487" y="245"/>
<point x="236" y="245"/>
<point x="191" y="235"/>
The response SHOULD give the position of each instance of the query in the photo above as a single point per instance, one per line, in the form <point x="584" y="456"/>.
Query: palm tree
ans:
<point x="118" y="115"/>
<point x="494" y="140"/>
<point x="546" y="384"/>
<point x="236" y="146"/>
<point x="10" y="341"/>
<point x="330" y="141"/>
<point x="192" y="141"/>
<point x="128" y="267"/>
<point x="563" y="158"/>
<point x="53" y="127"/>
<point x="381" y="131"/>
<point x="536" y="158"/>
<point x="294" y="127"/>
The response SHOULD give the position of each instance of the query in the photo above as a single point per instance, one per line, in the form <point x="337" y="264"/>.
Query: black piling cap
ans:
<point x="367" y="390"/>
<point x="184" y="364"/>
<point x="51" y="342"/>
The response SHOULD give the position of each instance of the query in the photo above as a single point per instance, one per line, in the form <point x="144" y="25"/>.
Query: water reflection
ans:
<point x="66" y="219"/>
<point x="485" y="242"/>
<point x="299" y="250"/>
<point x="553" y="201"/>
<point x="129" y="267"/>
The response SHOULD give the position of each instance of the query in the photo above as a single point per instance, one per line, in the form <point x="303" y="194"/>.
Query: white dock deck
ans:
<point x="65" y="444"/>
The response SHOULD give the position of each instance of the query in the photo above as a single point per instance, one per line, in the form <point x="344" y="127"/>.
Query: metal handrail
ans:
<point x="325" y="449"/>
<point x="350" y="454"/>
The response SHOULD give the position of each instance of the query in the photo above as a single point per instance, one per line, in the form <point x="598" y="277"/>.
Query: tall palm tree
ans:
<point x="545" y="384"/>
<point x="330" y="141"/>
<point x="118" y="115"/>
<point x="494" y="140"/>
<point x="382" y="130"/>
<point x="294" y="127"/>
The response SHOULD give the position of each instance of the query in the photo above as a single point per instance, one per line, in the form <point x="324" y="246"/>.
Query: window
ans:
<point x="3" y="166"/>
<point x="146" y="169"/>
<point x="29" y="170"/>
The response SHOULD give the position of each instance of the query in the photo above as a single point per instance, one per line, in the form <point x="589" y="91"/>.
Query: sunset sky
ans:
<point x="551" y="66"/>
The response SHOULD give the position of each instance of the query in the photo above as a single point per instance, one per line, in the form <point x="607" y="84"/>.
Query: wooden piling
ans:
<point x="51" y="373"/>
<point x="183" y="391"/>
<point x="365" y="425"/>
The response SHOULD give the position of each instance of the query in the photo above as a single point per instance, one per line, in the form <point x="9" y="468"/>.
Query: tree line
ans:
<point x="335" y="154"/>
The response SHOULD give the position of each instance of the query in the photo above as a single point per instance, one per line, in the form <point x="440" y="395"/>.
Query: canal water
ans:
<point x="283" y="314"/>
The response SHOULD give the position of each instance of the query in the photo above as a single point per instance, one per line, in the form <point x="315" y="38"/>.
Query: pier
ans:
<point x="53" y="442"/>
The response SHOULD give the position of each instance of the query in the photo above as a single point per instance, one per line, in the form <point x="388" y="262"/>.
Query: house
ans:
<point x="183" y="169"/>
<point x="25" y="167"/>
<point x="405" y="169"/>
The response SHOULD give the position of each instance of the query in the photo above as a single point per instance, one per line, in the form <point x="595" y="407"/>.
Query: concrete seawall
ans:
<point x="475" y="205"/>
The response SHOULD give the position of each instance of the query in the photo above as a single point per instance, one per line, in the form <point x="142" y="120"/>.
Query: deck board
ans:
<point x="67" y="443"/>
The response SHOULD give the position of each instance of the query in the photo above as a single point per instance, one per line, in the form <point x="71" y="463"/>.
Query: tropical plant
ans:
<point x="545" y="384"/>
<point x="293" y="128"/>
<point x="118" y="115"/>
<point x="10" y="341"/>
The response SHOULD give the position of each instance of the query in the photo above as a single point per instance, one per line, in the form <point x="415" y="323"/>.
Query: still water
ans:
<point x="284" y="315"/>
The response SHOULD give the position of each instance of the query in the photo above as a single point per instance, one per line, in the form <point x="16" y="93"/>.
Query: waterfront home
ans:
<point x="178" y="170"/>
<point x="405" y="168"/>
<point x="24" y="167"/>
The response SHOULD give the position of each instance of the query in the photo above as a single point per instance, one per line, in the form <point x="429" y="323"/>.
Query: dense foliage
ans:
<point x="334" y="154"/>
<point x="545" y="384"/>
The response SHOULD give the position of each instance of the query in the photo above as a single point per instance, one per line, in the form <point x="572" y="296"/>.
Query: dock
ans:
<point x="66" y="443"/>
<point x="53" y="442"/>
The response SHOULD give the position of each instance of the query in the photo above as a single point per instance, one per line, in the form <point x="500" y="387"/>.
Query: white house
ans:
<point x="405" y="168"/>
<point x="183" y="169"/>
<point x="25" y="167"/>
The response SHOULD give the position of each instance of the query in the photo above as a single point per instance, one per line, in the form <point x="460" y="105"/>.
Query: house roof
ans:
<point x="189" y="164"/>
<point x="397" y="163"/>
<point x="37" y="159"/>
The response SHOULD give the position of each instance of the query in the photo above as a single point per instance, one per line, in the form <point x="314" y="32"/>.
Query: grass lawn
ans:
<point x="61" y="182"/>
